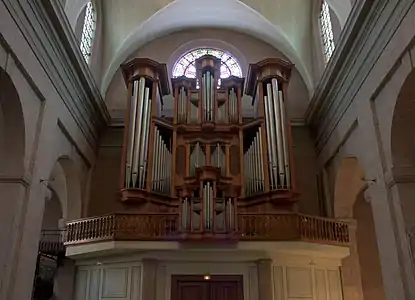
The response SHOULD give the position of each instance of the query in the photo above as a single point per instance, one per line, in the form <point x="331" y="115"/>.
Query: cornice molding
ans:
<point x="370" y="27"/>
<point x="48" y="33"/>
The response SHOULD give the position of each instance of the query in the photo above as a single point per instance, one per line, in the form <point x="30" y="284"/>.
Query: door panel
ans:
<point x="224" y="290"/>
<point x="196" y="288"/>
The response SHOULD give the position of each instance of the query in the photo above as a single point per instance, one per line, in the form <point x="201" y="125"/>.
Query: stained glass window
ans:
<point x="186" y="64"/>
<point x="326" y="31"/>
<point x="88" y="32"/>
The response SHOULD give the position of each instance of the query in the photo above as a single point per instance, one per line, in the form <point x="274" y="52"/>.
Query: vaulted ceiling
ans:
<point x="127" y="25"/>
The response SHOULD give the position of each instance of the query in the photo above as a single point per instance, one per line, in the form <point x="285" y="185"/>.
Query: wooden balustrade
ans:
<point x="166" y="226"/>
<point x="292" y="227"/>
<point x="51" y="242"/>
<point x="123" y="227"/>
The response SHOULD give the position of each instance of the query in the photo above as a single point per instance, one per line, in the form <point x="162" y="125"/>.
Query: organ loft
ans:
<point x="208" y="162"/>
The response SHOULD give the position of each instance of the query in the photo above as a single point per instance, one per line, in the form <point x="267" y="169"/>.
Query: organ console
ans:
<point x="208" y="160"/>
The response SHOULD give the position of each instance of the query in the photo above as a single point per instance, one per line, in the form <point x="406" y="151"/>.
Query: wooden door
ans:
<point x="193" y="287"/>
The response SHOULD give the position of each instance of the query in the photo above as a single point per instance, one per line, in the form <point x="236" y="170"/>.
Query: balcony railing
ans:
<point x="166" y="226"/>
<point x="292" y="227"/>
<point x="124" y="227"/>
<point x="51" y="242"/>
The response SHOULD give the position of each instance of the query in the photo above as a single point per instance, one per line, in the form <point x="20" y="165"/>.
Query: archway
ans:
<point x="361" y="271"/>
<point x="12" y="182"/>
<point x="403" y="159"/>
<point x="64" y="181"/>
<point x="12" y="132"/>
<point x="54" y="272"/>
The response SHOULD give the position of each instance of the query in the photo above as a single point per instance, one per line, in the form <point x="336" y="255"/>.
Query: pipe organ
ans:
<point x="207" y="161"/>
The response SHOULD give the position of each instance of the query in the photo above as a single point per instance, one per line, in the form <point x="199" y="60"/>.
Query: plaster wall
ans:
<point x="51" y="132"/>
<point x="363" y="130"/>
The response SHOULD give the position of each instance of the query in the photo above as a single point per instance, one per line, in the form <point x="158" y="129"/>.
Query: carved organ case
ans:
<point x="272" y="172"/>
<point x="207" y="122"/>
<point x="147" y="150"/>
<point x="208" y="162"/>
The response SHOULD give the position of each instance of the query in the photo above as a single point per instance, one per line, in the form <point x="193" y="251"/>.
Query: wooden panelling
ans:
<point x="311" y="283"/>
<point x="107" y="282"/>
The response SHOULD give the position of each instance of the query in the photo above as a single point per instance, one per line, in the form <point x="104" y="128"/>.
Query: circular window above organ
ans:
<point x="185" y="65"/>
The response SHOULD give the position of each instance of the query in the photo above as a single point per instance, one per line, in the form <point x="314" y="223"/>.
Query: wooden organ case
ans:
<point x="208" y="162"/>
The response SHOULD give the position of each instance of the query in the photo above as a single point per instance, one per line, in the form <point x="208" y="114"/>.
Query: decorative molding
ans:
<point x="369" y="29"/>
<point x="23" y="180"/>
<point x="400" y="175"/>
<point x="47" y="31"/>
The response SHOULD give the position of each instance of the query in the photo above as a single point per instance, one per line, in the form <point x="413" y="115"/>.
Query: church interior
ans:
<point x="190" y="149"/>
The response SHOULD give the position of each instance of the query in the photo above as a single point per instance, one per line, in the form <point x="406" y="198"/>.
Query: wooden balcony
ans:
<point x="52" y="242"/>
<point x="247" y="227"/>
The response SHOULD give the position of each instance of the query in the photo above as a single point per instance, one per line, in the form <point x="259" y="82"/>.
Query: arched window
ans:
<point x="326" y="31"/>
<point x="186" y="64"/>
<point x="88" y="31"/>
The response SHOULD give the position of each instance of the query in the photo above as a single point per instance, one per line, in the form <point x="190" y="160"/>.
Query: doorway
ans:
<point x="199" y="287"/>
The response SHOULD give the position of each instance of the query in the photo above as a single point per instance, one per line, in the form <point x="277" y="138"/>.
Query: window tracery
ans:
<point x="326" y="31"/>
<point x="88" y="31"/>
<point x="186" y="64"/>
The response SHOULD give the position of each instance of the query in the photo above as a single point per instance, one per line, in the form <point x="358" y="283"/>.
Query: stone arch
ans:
<point x="12" y="168"/>
<point x="403" y="126"/>
<point x="227" y="14"/>
<point x="348" y="185"/>
<point x="52" y="214"/>
<point x="361" y="271"/>
<point x="12" y="129"/>
<point x="402" y="145"/>
<point x="64" y="182"/>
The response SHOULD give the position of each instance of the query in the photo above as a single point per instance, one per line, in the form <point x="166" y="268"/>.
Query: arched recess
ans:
<point x="12" y="166"/>
<point x="12" y="129"/>
<point x="361" y="271"/>
<point x="403" y="126"/>
<point x="64" y="182"/>
<point x="52" y="215"/>
<point x="225" y="14"/>
<point x="403" y="157"/>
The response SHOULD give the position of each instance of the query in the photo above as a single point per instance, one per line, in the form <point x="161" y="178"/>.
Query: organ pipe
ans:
<point x="137" y="144"/>
<point x="197" y="158"/>
<point x="254" y="168"/>
<point x="182" y="106"/>
<point x="276" y="134"/>
<point x="208" y="87"/>
<point x="233" y="104"/>
<point x="208" y="204"/>
<point x="162" y="165"/>
<point x="218" y="158"/>
<point x="285" y="140"/>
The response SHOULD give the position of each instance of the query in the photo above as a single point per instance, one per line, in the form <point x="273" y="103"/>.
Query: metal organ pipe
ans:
<point x="132" y="125"/>
<point x="137" y="151"/>
<point x="161" y="165"/>
<point x="233" y="112"/>
<point x="218" y="158"/>
<point x="207" y="95"/>
<point x="254" y="168"/>
<point x="197" y="159"/>
<point x="182" y="106"/>
<point x="285" y="140"/>
<point x="276" y="134"/>
<point x="274" y="137"/>
<point x="207" y="204"/>
<point x="279" y="129"/>
<point x="273" y="180"/>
